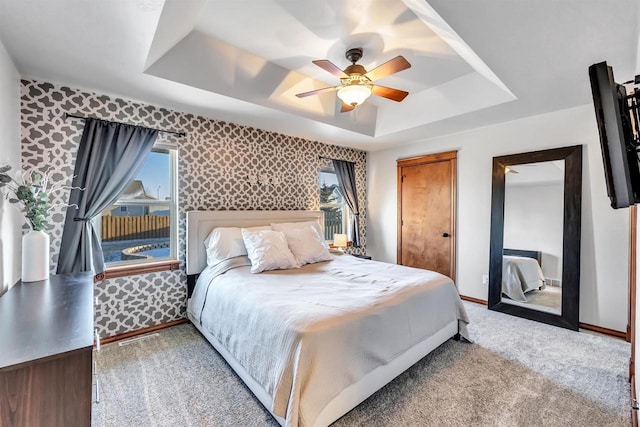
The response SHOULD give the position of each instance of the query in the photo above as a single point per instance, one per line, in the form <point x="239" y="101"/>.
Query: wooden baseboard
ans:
<point x="142" y="331"/>
<point x="472" y="299"/>
<point x="605" y="331"/>
<point x="587" y="326"/>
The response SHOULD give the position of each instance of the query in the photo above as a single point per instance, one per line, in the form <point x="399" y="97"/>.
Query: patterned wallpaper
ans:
<point x="217" y="161"/>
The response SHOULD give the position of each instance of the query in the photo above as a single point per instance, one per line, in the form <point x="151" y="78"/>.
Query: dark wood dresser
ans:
<point x="46" y="343"/>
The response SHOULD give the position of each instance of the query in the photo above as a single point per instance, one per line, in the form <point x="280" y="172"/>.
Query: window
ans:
<point x="141" y="226"/>
<point x="332" y="204"/>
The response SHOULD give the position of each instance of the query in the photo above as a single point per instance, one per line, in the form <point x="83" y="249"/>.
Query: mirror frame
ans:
<point x="569" y="317"/>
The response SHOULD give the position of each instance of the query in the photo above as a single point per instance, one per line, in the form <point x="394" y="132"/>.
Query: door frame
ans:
<point x="447" y="156"/>
<point x="631" y="324"/>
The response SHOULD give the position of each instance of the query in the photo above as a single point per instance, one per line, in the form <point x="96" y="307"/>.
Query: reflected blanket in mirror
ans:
<point x="519" y="276"/>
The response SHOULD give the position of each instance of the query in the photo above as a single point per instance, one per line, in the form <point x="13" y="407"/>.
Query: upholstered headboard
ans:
<point x="537" y="255"/>
<point x="200" y="224"/>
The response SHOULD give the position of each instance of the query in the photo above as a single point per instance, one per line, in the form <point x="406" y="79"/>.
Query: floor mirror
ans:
<point x="534" y="269"/>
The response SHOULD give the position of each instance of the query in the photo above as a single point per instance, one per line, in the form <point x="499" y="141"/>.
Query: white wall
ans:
<point x="11" y="219"/>
<point x="533" y="220"/>
<point x="603" y="292"/>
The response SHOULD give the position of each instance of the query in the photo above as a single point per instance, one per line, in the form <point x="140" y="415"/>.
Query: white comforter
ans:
<point x="306" y="334"/>
<point x="520" y="275"/>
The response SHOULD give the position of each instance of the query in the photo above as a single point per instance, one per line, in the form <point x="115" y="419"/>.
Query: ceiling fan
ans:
<point x="509" y="169"/>
<point x="356" y="82"/>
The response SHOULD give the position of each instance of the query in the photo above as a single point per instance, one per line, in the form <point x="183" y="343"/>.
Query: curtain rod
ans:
<point x="329" y="158"/>
<point x="75" y="116"/>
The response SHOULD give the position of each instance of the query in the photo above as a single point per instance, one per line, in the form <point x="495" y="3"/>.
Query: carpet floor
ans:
<point x="549" y="299"/>
<point x="516" y="373"/>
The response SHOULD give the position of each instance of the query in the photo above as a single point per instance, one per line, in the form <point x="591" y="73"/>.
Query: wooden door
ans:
<point x="427" y="212"/>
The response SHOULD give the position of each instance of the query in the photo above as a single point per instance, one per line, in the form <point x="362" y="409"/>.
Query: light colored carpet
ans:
<point x="517" y="373"/>
<point x="550" y="296"/>
<point x="549" y="299"/>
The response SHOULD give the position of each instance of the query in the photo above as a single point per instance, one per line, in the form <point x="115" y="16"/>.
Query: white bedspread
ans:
<point x="520" y="275"/>
<point x="306" y="334"/>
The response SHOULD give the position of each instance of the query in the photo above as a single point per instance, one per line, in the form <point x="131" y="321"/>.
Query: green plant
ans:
<point x="32" y="192"/>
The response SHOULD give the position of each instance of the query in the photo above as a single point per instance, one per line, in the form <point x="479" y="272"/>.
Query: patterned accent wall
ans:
<point x="217" y="161"/>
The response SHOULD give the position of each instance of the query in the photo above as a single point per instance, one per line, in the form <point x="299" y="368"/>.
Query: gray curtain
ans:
<point x="346" y="173"/>
<point x="109" y="157"/>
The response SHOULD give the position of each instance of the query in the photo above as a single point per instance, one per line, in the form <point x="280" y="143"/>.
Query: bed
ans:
<point x="521" y="273"/>
<point x="312" y="343"/>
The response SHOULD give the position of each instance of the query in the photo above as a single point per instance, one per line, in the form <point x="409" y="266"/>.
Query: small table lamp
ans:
<point x="340" y="241"/>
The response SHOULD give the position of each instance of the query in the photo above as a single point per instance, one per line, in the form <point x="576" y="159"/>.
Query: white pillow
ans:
<point x="307" y="245"/>
<point x="268" y="250"/>
<point x="282" y="226"/>
<point x="226" y="242"/>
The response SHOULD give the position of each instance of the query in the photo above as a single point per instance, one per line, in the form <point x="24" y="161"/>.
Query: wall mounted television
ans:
<point x="617" y="117"/>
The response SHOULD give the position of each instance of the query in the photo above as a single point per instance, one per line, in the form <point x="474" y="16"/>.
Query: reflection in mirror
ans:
<point x="538" y="222"/>
<point x="533" y="236"/>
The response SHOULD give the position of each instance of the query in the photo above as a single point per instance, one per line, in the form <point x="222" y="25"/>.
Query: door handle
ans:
<point x="445" y="234"/>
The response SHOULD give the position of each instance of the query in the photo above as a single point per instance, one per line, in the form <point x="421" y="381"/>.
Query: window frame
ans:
<point x="343" y="205"/>
<point x="171" y="262"/>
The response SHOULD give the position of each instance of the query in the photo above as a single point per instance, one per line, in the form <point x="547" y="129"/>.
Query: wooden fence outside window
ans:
<point x="135" y="227"/>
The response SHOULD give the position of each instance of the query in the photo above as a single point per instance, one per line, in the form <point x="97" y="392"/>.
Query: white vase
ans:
<point x="35" y="256"/>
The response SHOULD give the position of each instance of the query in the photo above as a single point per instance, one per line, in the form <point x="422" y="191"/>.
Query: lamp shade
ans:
<point x="340" y="240"/>
<point x="354" y="94"/>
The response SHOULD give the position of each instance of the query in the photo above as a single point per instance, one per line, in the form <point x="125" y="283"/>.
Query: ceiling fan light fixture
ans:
<point x="354" y="94"/>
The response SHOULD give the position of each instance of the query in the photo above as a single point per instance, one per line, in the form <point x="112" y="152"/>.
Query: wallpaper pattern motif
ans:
<point x="218" y="165"/>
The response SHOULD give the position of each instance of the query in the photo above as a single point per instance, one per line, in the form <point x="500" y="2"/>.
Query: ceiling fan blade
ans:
<point x="345" y="108"/>
<point x="329" y="66"/>
<point x="315" y="92"/>
<point x="392" y="66"/>
<point x="389" y="93"/>
<point x="509" y="169"/>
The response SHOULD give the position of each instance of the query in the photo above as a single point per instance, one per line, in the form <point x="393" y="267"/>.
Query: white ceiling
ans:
<point x="474" y="62"/>
<point x="541" y="173"/>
